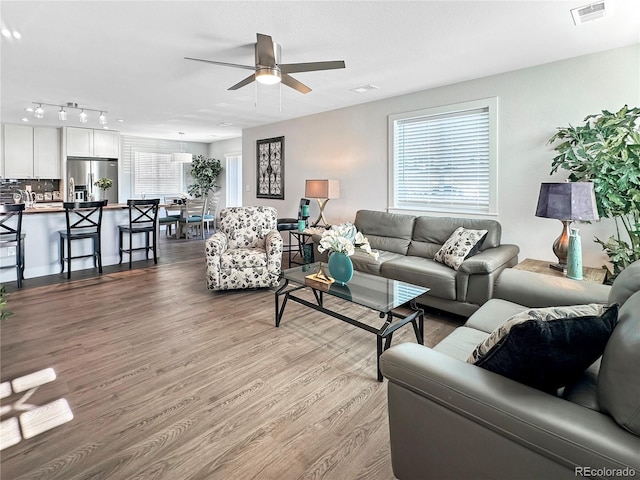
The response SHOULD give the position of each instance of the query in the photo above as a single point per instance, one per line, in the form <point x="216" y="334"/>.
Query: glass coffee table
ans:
<point x="377" y="293"/>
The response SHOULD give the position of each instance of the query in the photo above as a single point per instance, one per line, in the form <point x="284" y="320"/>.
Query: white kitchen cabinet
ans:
<point x="79" y="142"/>
<point x="18" y="151"/>
<point x="106" y="144"/>
<point x="31" y="152"/>
<point x="46" y="152"/>
<point x="86" y="142"/>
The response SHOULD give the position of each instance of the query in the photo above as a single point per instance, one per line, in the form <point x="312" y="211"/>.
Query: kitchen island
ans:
<point x="42" y="255"/>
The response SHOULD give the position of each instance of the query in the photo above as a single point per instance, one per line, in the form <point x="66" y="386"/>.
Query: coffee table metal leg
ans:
<point x="379" y="352"/>
<point x="280" y="310"/>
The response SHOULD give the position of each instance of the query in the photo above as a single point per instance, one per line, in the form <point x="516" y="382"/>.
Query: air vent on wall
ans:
<point x="589" y="13"/>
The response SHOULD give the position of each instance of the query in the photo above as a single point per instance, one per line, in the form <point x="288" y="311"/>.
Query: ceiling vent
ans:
<point x="589" y="13"/>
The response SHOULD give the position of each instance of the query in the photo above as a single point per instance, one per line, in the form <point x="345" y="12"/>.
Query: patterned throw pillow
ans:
<point x="545" y="351"/>
<point x="544" y="314"/>
<point x="462" y="244"/>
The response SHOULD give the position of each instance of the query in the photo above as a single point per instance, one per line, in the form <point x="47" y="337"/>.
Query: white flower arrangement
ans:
<point x="345" y="238"/>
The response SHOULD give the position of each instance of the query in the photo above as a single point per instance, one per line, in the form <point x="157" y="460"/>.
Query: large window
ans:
<point x="445" y="159"/>
<point x="155" y="173"/>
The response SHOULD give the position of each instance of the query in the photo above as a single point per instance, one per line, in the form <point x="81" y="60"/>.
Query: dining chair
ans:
<point x="211" y="213"/>
<point x="143" y="218"/>
<point x="172" y="214"/>
<point x="84" y="221"/>
<point x="191" y="217"/>
<point x="11" y="236"/>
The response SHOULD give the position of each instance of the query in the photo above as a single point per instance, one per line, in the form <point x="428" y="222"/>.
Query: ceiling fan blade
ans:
<point x="310" y="66"/>
<point x="289" y="81"/>
<point x="225" y="64"/>
<point x="265" y="55"/>
<point x="246" y="81"/>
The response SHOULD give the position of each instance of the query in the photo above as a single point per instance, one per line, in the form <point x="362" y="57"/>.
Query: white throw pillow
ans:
<point x="462" y="243"/>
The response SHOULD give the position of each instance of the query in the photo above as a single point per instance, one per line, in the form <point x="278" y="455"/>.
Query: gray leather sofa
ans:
<point x="407" y="245"/>
<point x="452" y="419"/>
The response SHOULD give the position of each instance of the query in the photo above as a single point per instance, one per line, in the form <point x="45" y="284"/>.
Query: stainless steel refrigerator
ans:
<point x="85" y="171"/>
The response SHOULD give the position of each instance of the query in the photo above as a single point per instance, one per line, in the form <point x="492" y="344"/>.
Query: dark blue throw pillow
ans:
<point x="548" y="354"/>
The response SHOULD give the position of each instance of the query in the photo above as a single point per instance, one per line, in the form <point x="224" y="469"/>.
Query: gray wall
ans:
<point x="351" y="144"/>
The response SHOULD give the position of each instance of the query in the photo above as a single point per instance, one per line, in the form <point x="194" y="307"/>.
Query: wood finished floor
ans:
<point x="167" y="380"/>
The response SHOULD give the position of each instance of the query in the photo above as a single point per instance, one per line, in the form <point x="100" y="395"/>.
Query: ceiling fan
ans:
<point x="269" y="70"/>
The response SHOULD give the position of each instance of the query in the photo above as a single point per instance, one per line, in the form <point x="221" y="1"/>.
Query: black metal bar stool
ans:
<point x="11" y="236"/>
<point x="143" y="218"/>
<point x="84" y="221"/>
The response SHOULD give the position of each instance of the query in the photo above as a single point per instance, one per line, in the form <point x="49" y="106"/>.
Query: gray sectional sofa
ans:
<point x="407" y="245"/>
<point x="450" y="419"/>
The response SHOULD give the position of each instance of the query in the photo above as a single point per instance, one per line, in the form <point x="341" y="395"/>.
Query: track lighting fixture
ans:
<point x="38" y="112"/>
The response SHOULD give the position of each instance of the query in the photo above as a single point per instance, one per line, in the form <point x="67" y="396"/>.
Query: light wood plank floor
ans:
<point x="167" y="380"/>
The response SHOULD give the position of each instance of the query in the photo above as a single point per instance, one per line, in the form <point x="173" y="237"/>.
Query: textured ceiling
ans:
<point x="127" y="57"/>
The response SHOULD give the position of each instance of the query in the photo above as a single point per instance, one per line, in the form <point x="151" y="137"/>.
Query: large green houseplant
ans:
<point x="205" y="172"/>
<point x="606" y="151"/>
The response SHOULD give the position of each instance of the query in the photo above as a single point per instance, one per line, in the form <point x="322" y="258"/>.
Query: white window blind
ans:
<point x="155" y="173"/>
<point x="443" y="161"/>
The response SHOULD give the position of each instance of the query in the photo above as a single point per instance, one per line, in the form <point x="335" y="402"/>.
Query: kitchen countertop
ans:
<point x="57" y="208"/>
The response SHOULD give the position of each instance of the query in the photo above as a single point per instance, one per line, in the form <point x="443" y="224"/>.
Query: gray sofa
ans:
<point x="407" y="245"/>
<point x="452" y="419"/>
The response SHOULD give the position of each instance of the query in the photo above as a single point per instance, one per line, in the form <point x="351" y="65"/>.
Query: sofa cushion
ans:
<point x="461" y="342"/>
<point x="619" y="377"/>
<point x="430" y="233"/>
<point x="462" y="243"/>
<point x="440" y="279"/>
<point x="550" y="353"/>
<point x="626" y="284"/>
<point x="492" y="314"/>
<point x="385" y="231"/>
<point x="544" y="314"/>
<point x="363" y="262"/>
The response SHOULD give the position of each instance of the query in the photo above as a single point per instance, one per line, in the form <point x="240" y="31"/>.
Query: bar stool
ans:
<point x="12" y="236"/>
<point x="143" y="218"/>
<point x="84" y="221"/>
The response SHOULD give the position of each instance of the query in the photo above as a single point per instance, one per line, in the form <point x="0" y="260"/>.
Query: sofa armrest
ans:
<point x="216" y="244"/>
<point x="506" y="415"/>
<point x="536" y="290"/>
<point x="274" y="247"/>
<point x="490" y="259"/>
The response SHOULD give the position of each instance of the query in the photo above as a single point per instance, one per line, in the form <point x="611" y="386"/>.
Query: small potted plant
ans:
<point x="103" y="184"/>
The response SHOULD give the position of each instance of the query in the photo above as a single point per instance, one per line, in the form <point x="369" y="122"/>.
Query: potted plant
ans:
<point x="103" y="184"/>
<point x="606" y="151"/>
<point x="205" y="172"/>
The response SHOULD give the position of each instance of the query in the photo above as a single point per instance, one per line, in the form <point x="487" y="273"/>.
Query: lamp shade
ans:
<point x="181" y="157"/>
<point x="567" y="201"/>
<point x="322" y="189"/>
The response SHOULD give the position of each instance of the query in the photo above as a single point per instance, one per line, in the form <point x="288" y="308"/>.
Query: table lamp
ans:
<point x="567" y="201"/>
<point x="323" y="191"/>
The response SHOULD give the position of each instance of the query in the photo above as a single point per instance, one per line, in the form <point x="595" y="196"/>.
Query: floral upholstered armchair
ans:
<point x="246" y="252"/>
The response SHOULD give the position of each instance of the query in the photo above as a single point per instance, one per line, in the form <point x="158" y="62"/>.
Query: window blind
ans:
<point x="155" y="173"/>
<point x="442" y="162"/>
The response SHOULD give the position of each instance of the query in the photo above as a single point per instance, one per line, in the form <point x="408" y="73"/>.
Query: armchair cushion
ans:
<point x="548" y="354"/>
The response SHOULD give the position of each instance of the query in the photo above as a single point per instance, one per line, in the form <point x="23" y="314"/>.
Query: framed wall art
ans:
<point x="270" y="169"/>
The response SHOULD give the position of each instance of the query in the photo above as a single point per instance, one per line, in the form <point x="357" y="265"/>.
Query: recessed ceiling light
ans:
<point x="589" y="13"/>
<point x="225" y="124"/>
<point x="364" y="88"/>
<point x="29" y="109"/>
<point x="120" y="120"/>
<point x="25" y="119"/>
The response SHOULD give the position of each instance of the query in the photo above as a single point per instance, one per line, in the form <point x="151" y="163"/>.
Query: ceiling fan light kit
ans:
<point x="269" y="71"/>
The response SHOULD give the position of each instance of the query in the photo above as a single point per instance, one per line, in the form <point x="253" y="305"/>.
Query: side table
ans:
<point x="589" y="274"/>
<point x="300" y="251"/>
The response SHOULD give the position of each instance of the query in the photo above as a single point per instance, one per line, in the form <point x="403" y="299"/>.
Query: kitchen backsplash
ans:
<point x="45" y="190"/>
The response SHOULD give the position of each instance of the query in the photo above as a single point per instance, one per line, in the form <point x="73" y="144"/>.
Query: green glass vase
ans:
<point x="340" y="267"/>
